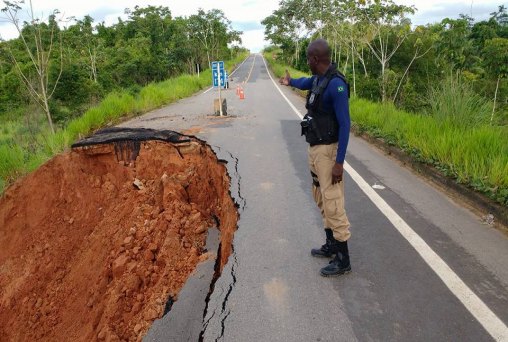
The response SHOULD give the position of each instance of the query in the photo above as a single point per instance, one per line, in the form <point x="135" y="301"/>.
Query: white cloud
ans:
<point x="432" y="11"/>
<point x="239" y="11"/>
<point x="236" y="11"/>
<point x="254" y="40"/>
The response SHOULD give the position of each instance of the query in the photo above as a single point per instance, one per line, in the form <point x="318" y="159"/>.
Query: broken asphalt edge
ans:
<point x="119" y="134"/>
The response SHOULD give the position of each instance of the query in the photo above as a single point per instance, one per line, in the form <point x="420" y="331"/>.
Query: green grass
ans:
<point x="454" y="100"/>
<point x="463" y="146"/>
<point x="475" y="156"/>
<point x="19" y="155"/>
<point x="11" y="158"/>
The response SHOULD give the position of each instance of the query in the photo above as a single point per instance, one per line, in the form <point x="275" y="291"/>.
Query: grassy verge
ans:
<point x="17" y="159"/>
<point x="474" y="156"/>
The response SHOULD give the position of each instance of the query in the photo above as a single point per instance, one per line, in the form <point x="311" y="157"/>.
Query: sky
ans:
<point x="246" y="15"/>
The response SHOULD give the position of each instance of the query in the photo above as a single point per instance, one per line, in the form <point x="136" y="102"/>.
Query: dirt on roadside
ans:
<point x="93" y="244"/>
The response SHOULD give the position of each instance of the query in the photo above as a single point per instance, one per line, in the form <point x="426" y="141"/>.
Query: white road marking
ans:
<point x="280" y="91"/>
<point x="492" y="324"/>
<point x="238" y="67"/>
<point x="251" y="68"/>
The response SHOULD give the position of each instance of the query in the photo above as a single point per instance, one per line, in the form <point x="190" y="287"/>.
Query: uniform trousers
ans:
<point x="329" y="197"/>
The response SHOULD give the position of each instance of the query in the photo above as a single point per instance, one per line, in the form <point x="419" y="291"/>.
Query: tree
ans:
<point x="286" y="27"/>
<point x="38" y="41"/>
<point x="496" y="59"/>
<point x="453" y="44"/>
<point x="385" y="28"/>
<point x="212" y="30"/>
<point x="420" y="50"/>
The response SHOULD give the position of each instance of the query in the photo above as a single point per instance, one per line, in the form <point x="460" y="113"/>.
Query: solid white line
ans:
<point x="238" y="67"/>
<point x="280" y="91"/>
<point x="494" y="326"/>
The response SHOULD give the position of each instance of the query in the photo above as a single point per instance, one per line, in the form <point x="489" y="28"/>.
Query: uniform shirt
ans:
<point x="335" y="96"/>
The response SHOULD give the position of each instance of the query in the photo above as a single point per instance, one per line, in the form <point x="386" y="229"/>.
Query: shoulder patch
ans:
<point x="340" y="89"/>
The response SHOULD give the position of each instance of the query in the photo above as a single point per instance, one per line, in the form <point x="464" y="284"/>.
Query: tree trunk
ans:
<point x="48" y="113"/>
<point x="383" y="82"/>
<point x="495" y="98"/>
<point x="93" y="63"/>
<point x="353" y="63"/>
<point x="403" y="76"/>
<point x="347" y="60"/>
<point x="362" y="61"/>
<point x="335" y="50"/>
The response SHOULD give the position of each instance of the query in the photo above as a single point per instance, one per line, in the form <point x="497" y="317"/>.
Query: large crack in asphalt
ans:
<point x="224" y="303"/>
<point x="241" y="203"/>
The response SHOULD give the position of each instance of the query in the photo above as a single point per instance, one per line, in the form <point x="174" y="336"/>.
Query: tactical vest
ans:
<point x="320" y="125"/>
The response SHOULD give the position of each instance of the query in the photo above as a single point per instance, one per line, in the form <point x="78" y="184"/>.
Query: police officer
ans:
<point x="326" y="128"/>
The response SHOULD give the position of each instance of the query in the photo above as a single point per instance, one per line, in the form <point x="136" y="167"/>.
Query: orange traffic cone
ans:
<point x="242" y="95"/>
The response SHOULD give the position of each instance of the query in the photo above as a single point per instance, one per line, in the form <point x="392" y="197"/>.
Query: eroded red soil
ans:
<point x="85" y="255"/>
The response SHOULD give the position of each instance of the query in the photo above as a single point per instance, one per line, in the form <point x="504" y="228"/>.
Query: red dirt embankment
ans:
<point x="85" y="255"/>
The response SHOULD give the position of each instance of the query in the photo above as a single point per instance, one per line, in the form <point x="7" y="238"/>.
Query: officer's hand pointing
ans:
<point x="337" y="171"/>
<point x="286" y="79"/>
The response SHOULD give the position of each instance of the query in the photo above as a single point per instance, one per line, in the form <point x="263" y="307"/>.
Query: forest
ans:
<point x="386" y="58"/>
<point x="83" y="61"/>
<point x="63" y="77"/>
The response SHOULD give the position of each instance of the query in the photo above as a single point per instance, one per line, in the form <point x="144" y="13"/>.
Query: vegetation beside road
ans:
<point x="473" y="155"/>
<point x="19" y="156"/>
<point x="64" y="78"/>
<point x="439" y="90"/>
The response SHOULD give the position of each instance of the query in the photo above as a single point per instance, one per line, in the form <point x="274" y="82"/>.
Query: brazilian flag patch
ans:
<point x="340" y="89"/>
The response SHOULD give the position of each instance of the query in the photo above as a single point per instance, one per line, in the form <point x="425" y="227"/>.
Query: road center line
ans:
<point x="492" y="324"/>
<point x="251" y="68"/>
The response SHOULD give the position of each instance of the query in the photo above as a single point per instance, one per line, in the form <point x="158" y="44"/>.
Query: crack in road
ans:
<point x="209" y="295"/>
<point x="242" y="202"/>
<point x="241" y="205"/>
<point x="224" y="303"/>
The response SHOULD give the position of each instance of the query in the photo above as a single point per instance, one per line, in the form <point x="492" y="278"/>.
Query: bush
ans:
<point x="454" y="100"/>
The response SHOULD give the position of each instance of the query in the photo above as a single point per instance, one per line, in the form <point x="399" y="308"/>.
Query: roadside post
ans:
<point x="218" y="74"/>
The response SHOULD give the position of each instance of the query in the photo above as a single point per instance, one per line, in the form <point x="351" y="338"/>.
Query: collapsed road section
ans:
<point x="95" y="242"/>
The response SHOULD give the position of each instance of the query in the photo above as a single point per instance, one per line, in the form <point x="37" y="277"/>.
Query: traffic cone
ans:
<point x="242" y="95"/>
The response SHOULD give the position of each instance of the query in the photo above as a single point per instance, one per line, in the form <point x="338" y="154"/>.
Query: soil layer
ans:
<point x="96" y="240"/>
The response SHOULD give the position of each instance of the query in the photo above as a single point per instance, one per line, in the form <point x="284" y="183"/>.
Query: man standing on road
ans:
<point x="326" y="128"/>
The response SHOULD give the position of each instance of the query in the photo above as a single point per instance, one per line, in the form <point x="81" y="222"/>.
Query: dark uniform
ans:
<point x="326" y="128"/>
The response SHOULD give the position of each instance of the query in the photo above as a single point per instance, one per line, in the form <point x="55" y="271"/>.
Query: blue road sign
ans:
<point x="218" y="72"/>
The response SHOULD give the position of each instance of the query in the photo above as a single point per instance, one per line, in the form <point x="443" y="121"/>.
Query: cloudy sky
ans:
<point x="246" y="15"/>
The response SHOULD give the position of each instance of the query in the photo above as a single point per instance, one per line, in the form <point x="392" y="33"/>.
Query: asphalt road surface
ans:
<point x="424" y="268"/>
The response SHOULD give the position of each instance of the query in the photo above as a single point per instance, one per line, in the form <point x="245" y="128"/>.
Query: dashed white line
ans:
<point x="492" y="324"/>
<point x="251" y="68"/>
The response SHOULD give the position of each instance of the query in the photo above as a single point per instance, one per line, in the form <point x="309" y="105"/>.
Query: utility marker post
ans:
<point x="220" y="98"/>
<point x="218" y="74"/>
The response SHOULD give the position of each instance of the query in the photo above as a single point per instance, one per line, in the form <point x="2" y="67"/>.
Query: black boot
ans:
<point x="340" y="264"/>
<point x="324" y="251"/>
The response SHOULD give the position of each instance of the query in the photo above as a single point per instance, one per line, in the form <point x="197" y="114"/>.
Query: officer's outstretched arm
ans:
<point x="286" y="79"/>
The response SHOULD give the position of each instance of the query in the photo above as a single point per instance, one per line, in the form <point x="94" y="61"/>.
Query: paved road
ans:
<point x="424" y="268"/>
